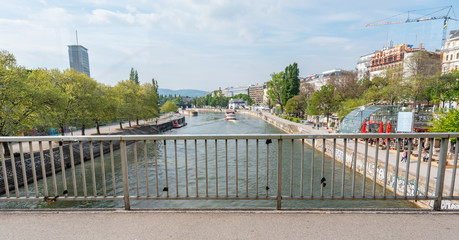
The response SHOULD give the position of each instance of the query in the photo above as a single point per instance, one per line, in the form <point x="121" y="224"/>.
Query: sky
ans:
<point x="206" y="44"/>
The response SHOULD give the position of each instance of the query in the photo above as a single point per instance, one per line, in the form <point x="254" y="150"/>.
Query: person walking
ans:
<point x="404" y="156"/>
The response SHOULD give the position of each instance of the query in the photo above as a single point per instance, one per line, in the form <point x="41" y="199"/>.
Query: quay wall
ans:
<point x="371" y="167"/>
<point x="55" y="154"/>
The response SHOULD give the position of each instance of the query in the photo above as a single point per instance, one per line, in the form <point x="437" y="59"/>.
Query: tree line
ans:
<point x="59" y="99"/>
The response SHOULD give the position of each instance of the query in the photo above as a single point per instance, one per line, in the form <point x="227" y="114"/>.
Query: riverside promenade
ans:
<point x="292" y="127"/>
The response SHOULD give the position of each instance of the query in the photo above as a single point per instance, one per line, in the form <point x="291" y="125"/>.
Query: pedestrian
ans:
<point x="426" y="157"/>
<point x="404" y="156"/>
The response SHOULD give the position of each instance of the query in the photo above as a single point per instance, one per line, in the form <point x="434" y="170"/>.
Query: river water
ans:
<point x="214" y="123"/>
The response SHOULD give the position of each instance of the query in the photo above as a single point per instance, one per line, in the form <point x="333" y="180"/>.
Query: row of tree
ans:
<point x="59" y="99"/>
<point x="217" y="99"/>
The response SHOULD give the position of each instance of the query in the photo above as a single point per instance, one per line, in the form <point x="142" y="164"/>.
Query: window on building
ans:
<point x="457" y="57"/>
<point x="451" y="57"/>
<point x="447" y="57"/>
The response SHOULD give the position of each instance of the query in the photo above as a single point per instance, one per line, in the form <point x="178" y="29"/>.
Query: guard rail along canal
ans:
<point x="273" y="167"/>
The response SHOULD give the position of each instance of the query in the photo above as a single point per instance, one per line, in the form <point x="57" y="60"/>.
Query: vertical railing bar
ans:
<point x="407" y="168"/>
<point x="176" y="169"/>
<point x="196" y="164"/>
<point x="5" y="177"/>
<point x="343" y="175"/>
<point x="237" y="173"/>
<point x="256" y="194"/>
<point x="64" y="177"/>
<point x="365" y="160"/>
<point x="34" y="169"/>
<point x="124" y="166"/>
<point x="165" y="168"/>
<point x="24" y="174"/>
<point x="453" y="176"/>
<point x="53" y="167"/>
<point x="386" y="166"/>
<point x="441" y="174"/>
<point x="72" y="166"/>
<point x="397" y="159"/>
<point x="186" y="166"/>
<point x="145" y="157"/>
<point x="312" y="167"/>
<point x="302" y="168"/>
<point x="333" y="170"/>
<point x="279" y="174"/>
<point x="291" y="168"/>
<point x="247" y="167"/>
<point x="429" y="165"/>
<point x="43" y="170"/>
<point x="418" y="167"/>
<point x="216" y="168"/>
<point x="112" y="161"/>
<point x="13" y="168"/>
<point x="226" y="160"/>
<point x="354" y="164"/>
<point x="83" y="173"/>
<point x="267" y="169"/>
<point x="207" y="177"/>
<point x="375" y="170"/>
<point x="93" y="169"/>
<point x="155" y="148"/>
<point x="322" y="172"/>
<point x="136" y="167"/>
<point x="102" y="163"/>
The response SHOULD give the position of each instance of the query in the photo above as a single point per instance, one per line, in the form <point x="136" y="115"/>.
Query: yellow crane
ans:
<point x="426" y="17"/>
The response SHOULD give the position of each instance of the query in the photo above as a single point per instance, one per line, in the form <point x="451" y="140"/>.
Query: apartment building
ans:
<point x="450" y="60"/>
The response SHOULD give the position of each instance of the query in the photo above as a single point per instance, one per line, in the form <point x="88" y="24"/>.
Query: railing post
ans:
<point x="279" y="174"/>
<point x="441" y="174"/>
<point x="127" y="204"/>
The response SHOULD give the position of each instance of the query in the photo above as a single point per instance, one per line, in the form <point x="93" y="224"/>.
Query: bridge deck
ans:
<point x="227" y="225"/>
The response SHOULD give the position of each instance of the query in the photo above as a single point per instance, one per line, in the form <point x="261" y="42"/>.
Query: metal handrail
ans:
<point x="50" y="159"/>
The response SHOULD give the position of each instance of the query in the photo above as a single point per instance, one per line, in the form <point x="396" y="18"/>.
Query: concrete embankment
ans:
<point x="370" y="166"/>
<point x="53" y="156"/>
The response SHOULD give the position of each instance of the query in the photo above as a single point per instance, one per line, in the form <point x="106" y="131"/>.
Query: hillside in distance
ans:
<point x="182" y="92"/>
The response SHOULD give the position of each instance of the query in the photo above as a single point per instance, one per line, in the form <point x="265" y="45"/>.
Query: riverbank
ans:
<point x="368" y="166"/>
<point x="39" y="160"/>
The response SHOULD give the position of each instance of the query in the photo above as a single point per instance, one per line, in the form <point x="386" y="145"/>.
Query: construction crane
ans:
<point x="426" y="17"/>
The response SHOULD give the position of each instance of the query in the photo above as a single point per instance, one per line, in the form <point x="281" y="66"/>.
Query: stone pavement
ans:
<point x="227" y="225"/>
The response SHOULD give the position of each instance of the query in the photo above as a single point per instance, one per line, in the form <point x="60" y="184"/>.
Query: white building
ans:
<point x="233" y="91"/>
<point x="363" y="65"/>
<point x="450" y="61"/>
<point x="236" y="103"/>
<point x="318" y="80"/>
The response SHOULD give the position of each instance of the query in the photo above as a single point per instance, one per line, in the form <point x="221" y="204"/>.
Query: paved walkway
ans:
<point x="227" y="225"/>
<point x="308" y="128"/>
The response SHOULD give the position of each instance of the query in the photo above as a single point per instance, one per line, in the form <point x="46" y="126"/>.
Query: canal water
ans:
<point x="215" y="183"/>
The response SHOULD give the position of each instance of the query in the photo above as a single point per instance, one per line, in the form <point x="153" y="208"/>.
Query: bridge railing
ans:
<point x="230" y="167"/>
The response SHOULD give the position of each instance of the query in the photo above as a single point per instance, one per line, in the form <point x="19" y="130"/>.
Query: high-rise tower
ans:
<point x="78" y="57"/>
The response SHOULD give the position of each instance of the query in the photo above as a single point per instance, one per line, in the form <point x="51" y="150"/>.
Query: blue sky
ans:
<point x="191" y="44"/>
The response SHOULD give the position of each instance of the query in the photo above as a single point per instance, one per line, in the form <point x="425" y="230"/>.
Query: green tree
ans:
<point x="297" y="105"/>
<point x="290" y="83"/>
<point x="446" y="122"/>
<point x="134" y="76"/>
<point x="445" y="88"/>
<point x="169" y="107"/>
<point x="244" y="97"/>
<point x="25" y="96"/>
<point x="323" y="102"/>
<point x="275" y="89"/>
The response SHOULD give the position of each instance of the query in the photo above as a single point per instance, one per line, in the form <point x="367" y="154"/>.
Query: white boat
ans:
<point x="230" y="115"/>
